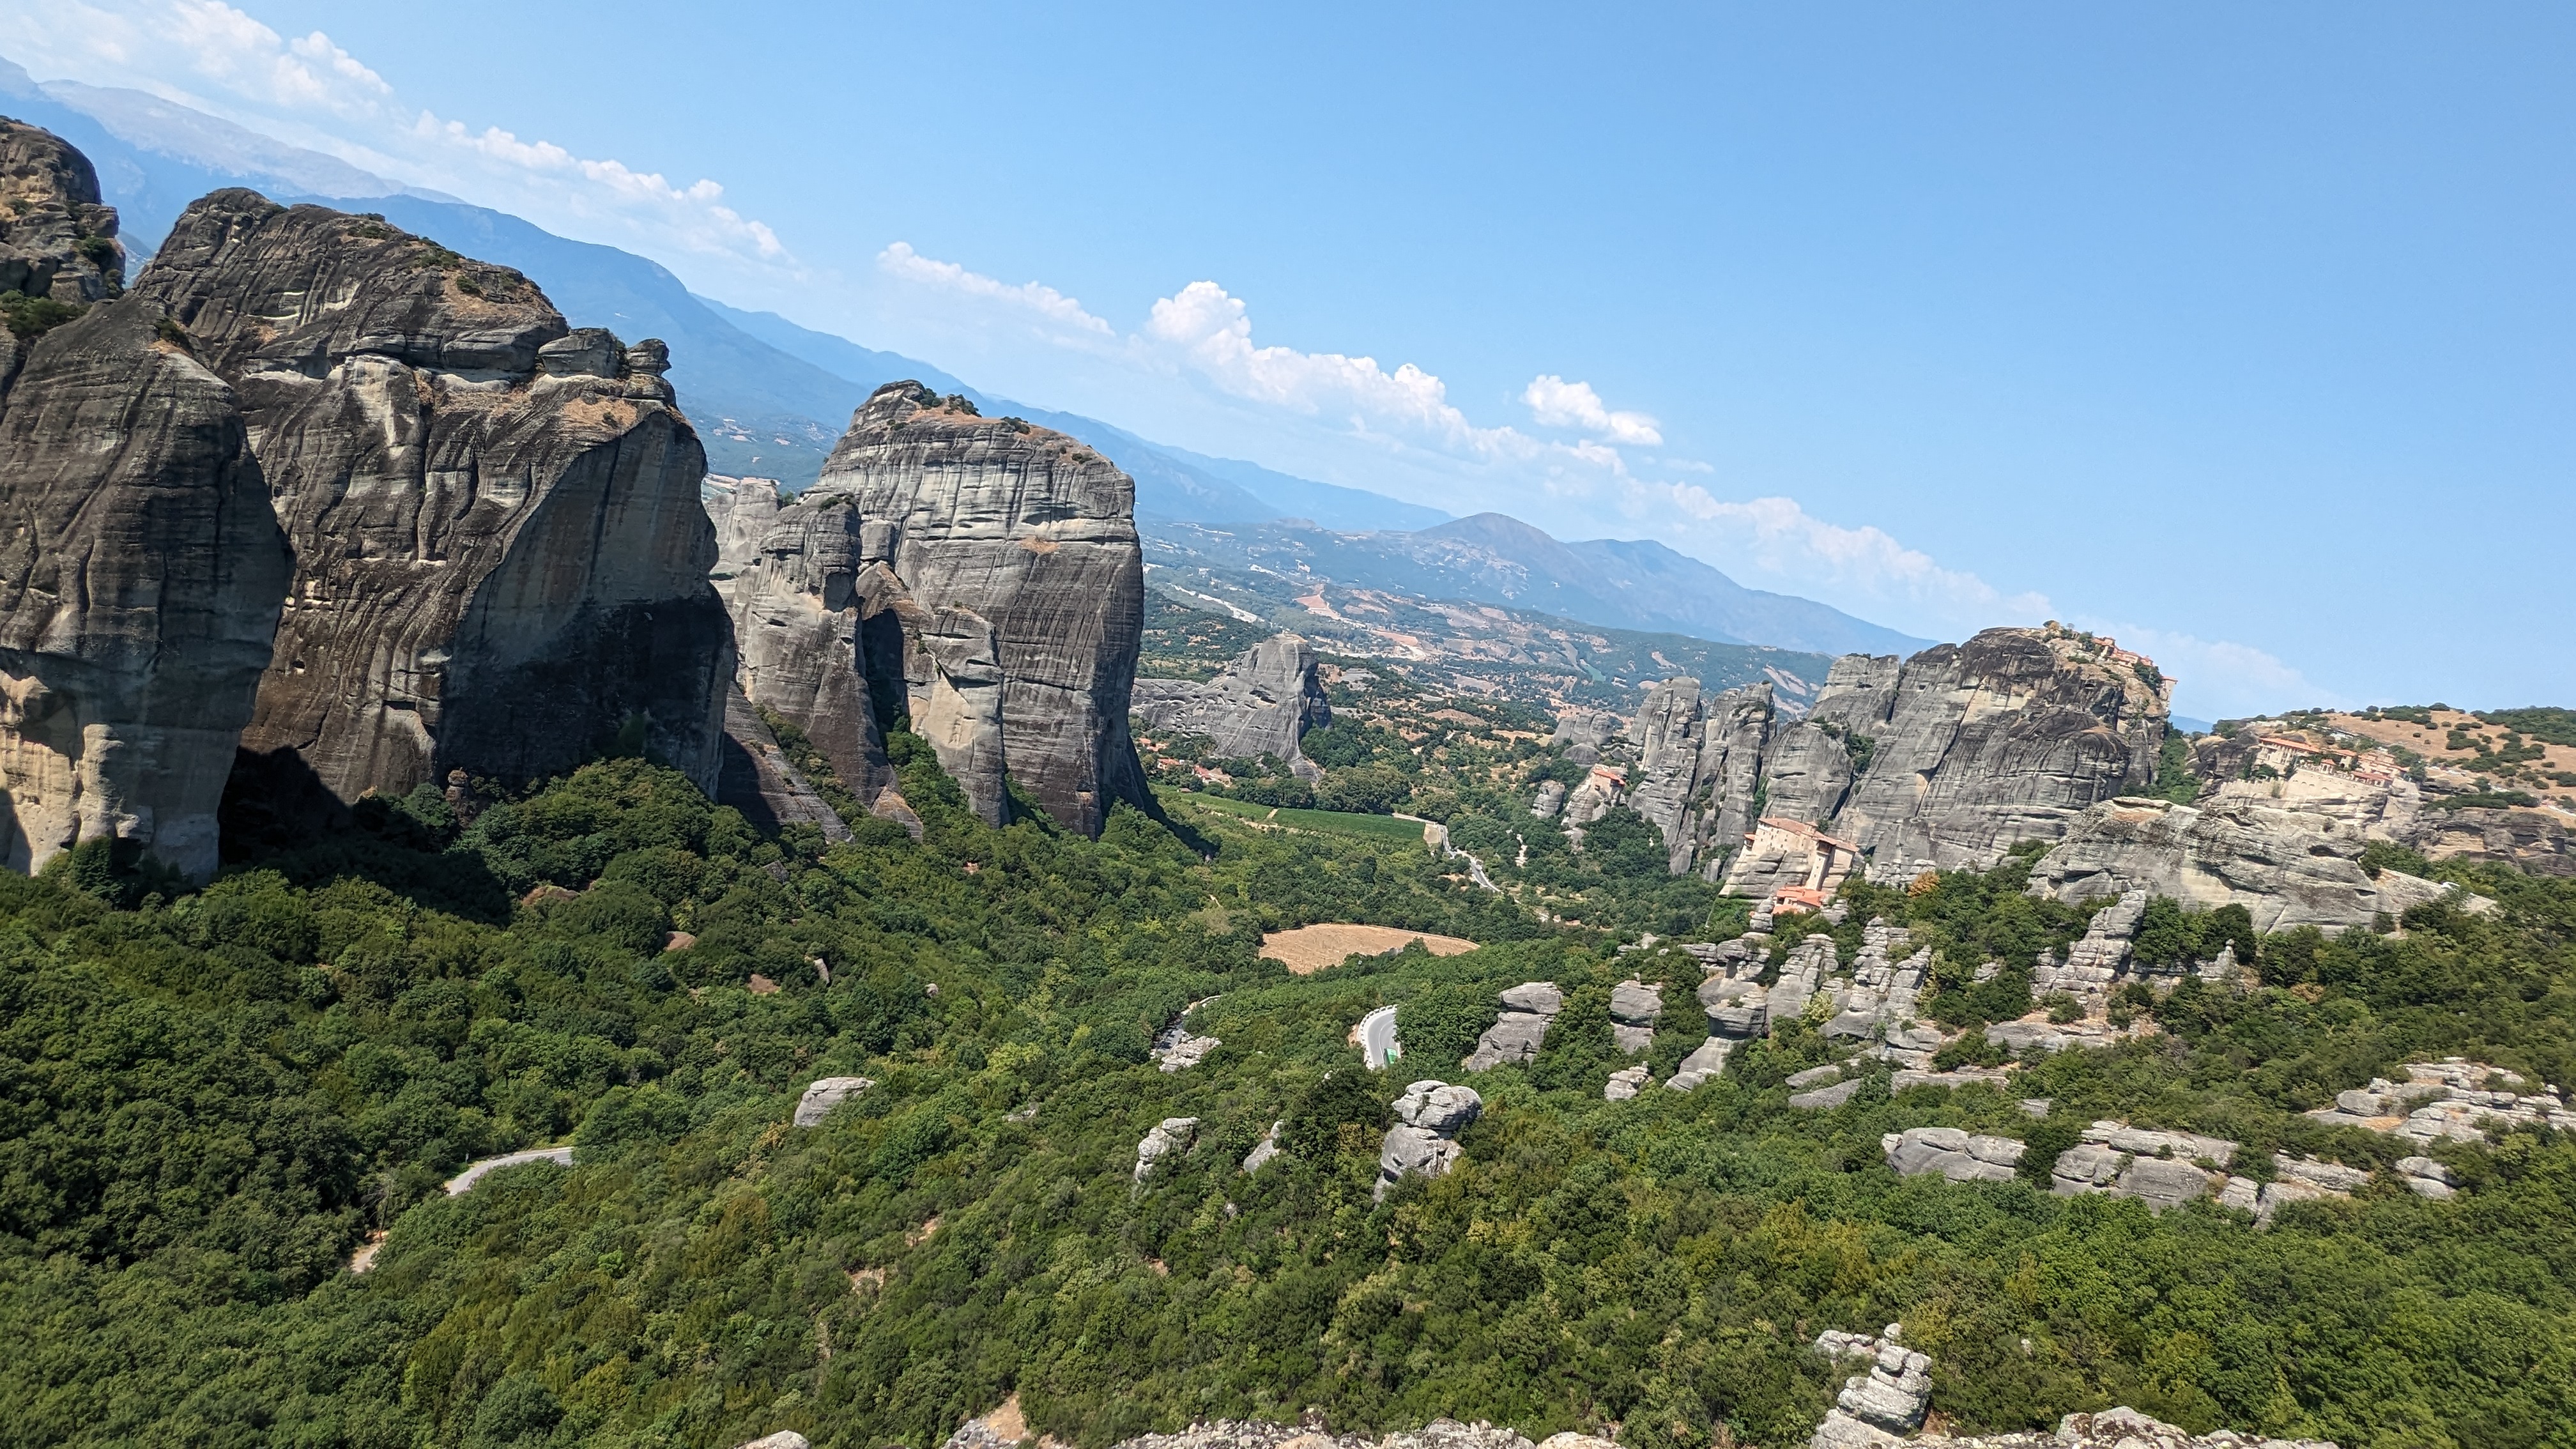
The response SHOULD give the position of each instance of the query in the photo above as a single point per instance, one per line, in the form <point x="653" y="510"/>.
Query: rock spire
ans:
<point x="501" y="558"/>
<point x="1008" y="554"/>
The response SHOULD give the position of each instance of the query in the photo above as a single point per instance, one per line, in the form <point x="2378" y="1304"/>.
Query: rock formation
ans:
<point x="1634" y="1009"/>
<point x="1260" y="705"/>
<point x="2450" y="1100"/>
<point x="1515" y="1035"/>
<point x="814" y="625"/>
<point x="1956" y="1155"/>
<point x="1888" y="1398"/>
<point x="824" y="1094"/>
<point x="501" y="558"/>
<point x="57" y="241"/>
<point x="1254" y="1434"/>
<point x="1943" y="761"/>
<point x="141" y="571"/>
<point x="1626" y="1083"/>
<point x="1010" y="557"/>
<point x="1168" y="1138"/>
<point x="2287" y="868"/>
<point x="1424" y="1139"/>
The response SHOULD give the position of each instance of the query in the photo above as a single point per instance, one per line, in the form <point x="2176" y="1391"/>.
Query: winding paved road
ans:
<point x="1378" y="1046"/>
<point x="463" y="1182"/>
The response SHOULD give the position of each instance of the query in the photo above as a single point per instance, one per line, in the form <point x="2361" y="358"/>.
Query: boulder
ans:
<point x="1168" y="1138"/>
<point x="1258" y="705"/>
<point x="824" y="1094"/>
<point x="1516" y="1034"/>
<point x="783" y="1439"/>
<point x="1265" y="1149"/>
<point x="1583" y="732"/>
<point x="141" y="578"/>
<point x="1018" y="547"/>
<point x="1957" y="1155"/>
<point x="498" y="569"/>
<point x="1822" y="1098"/>
<point x="1438" y="1107"/>
<point x="1429" y="1117"/>
<point x="1634" y="1009"/>
<point x="1626" y="1083"/>
<point x="1705" y="1061"/>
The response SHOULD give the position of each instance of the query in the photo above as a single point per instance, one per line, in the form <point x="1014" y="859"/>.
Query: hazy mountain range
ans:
<point x="771" y="397"/>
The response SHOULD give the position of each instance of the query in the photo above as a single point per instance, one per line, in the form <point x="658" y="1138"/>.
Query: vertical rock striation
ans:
<point x="1942" y="761"/>
<point x="501" y="557"/>
<point x="140" y="576"/>
<point x="1009" y="556"/>
<point x="1260" y="705"/>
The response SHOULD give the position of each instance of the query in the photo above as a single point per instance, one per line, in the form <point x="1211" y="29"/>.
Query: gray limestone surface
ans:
<point x="499" y="567"/>
<point x="141" y="574"/>
<point x="1018" y="547"/>
<point x="1260" y="704"/>
<point x="825" y="1093"/>
<point x="2288" y="868"/>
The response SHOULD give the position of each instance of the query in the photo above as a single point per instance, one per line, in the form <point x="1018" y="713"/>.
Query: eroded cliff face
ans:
<point x="501" y="557"/>
<point x="1008" y="555"/>
<point x="1942" y="761"/>
<point x="140" y="577"/>
<point x="57" y="241"/>
<point x="801" y="625"/>
<point x="1260" y="704"/>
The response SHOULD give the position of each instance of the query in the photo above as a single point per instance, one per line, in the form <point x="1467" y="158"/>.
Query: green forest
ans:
<point x="215" y="1097"/>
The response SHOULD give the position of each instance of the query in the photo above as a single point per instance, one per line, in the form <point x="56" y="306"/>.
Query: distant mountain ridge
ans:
<point x="1492" y="558"/>
<point x="771" y="397"/>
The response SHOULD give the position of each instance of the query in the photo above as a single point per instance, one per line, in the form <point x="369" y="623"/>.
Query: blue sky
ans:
<point x="2243" y="333"/>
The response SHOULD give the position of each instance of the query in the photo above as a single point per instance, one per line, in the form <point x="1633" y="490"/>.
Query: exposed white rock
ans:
<point x="1170" y="1136"/>
<point x="1626" y="1083"/>
<point x="1429" y="1117"/>
<point x="1516" y="1034"/>
<point x="1887" y="1399"/>
<point x="2426" y="1178"/>
<point x="1955" y="1154"/>
<point x="2459" y="1100"/>
<point x="824" y="1094"/>
<point x="783" y="1439"/>
<point x="1265" y="1149"/>
<point x="1634" y="1009"/>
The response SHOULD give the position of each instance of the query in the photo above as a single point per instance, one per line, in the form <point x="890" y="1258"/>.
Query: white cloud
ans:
<point x="1779" y="537"/>
<point x="308" y="91"/>
<point x="1556" y="403"/>
<point x="900" y="260"/>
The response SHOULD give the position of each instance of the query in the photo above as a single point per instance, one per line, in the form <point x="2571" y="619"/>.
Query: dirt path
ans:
<point x="1310" y="949"/>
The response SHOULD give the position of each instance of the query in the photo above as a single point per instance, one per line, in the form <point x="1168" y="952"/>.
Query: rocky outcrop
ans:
<point x="1022" y="596"/>
<point x="807" y="610"/>
<point x="2158" y="1168"/>
<point x="501" y="558"/>
<point x="1582" y="733"/>
<point x="1887" y="1398"/>
<point x="1626" y="1083"/>
<point x="1253" y="1434"/>
<point x="1168" y="1138"/>
<point x="1634" y="1009"/>
<point x="1258" y="706"/>
<point x="1942" y="761"/>
<point x="1424" y="1140"/>
<point x="57" y="240"/>
<point x="824" y="1094"/>
<point x="1951" y="1153"/>
<point x="2122" y="1428"/>
<point x="2287" y="868"/>
<point x="2533" y="841"/>
<point x="2450" y="1100"/>
<point x="1516" y="1034"/>
<point x="1265" y="1149"/>
<point x="140" y="578"/>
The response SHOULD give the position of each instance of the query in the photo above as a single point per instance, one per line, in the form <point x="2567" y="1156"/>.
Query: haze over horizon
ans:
<point x="2233" y="335"/>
